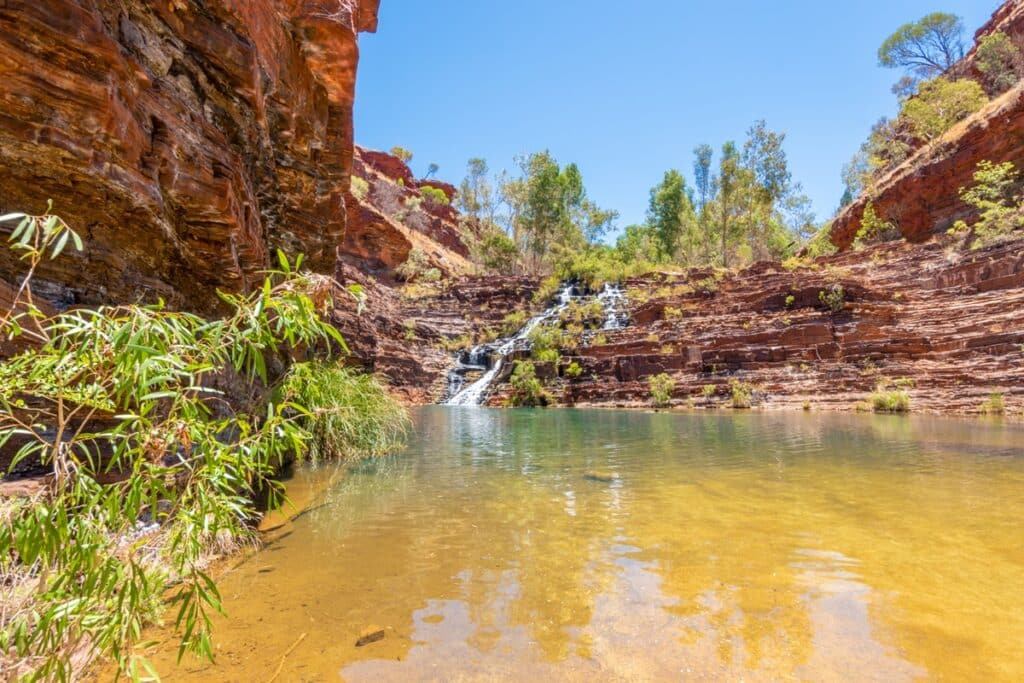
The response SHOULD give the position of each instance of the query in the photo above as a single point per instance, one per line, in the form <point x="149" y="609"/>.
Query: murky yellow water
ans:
<point x="725" y="547"/>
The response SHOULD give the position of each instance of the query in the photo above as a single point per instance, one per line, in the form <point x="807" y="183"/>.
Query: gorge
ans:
<point x="694" y="504"/>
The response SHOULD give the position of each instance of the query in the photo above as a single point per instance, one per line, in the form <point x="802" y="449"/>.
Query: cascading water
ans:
<point x="490" y="358"/>
<point x="475" y="393"/>
<point x="614" y="301"/>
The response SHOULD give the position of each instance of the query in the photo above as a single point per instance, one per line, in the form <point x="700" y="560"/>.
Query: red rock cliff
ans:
<point x="921" y="195"/>
<point x="186" y="140"/>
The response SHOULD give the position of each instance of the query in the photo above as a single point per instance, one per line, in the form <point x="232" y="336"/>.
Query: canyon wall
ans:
<point x="185" y="140"/>
<point x="389" y="215"/>
<point x="921" y="195"/>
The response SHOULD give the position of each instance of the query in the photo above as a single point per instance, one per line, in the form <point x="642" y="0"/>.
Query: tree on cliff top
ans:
<point x="925" y="48"/>
<point x="402" y="153"/>
<point x="670" y="213"/>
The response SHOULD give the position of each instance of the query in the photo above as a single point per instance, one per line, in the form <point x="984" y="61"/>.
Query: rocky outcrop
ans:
<point x="186" y="140"/>
<point x="945" y="322"/>
<point x="921" y="195"/>
<point x="389" y="216"/>
<point x="406" y="339"/>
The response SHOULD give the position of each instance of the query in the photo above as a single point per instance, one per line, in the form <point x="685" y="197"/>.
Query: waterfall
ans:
<point x="614" y="301"/>
<point x="490" y="358"/>
<point x="476" y="393"/>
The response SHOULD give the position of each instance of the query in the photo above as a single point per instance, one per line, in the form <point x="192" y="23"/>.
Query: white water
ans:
<point x="475" y="393"/>
<point x="613" y="300"/>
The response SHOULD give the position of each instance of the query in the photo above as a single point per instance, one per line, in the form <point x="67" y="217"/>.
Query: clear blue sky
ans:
<point x="627" y="89"/>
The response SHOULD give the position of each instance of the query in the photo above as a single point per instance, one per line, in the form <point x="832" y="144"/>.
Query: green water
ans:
<point x="620" y="546"/>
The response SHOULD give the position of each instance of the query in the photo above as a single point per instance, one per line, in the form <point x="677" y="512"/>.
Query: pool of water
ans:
<point x="601" y="545"/>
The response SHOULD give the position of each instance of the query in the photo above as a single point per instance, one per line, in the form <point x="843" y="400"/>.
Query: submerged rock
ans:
<point x="370" y="634"/>
<point x="601" y="475"/>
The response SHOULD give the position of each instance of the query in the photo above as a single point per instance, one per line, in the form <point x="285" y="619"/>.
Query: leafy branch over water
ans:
<point x="151" y="458"/>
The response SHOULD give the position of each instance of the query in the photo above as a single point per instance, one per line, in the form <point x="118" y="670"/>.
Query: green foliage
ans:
<point x="994" y="405"/>
<point x="360" y="188"/>
<point x="554" y="208"/>
<point x="546" y="343"/>
<point x="821" y="245"/>
<point x="940" y="104"/>
<point x="890" y="400"/>
<point x="527" y="390"/>
<point x="670" y="213"/>
<point x="637" y="244"/>
<point x="347" y="414"/>
<point x="595" y="265"/>
<point x="790" y="301"/>
<point x="926" y="47"/>
<point x="584" y="316"/>
<point x="547" y="289"/>
<point x="999" y="61"/>
<point x="742" y="394"/>
<point x="402" y="153"/>
<point x="661" y="387"/>
<point x="834" y="298"/>
<point x="874" y="229"/>
<point x="574" y="370"/>
<point x="996" y="197"/>
<point x="434" y="195"/>
<point x="513" y="322"/>
<point x="150" y="473"/>
<point x="417" y="268"/>
<point x="410" y="329"/>
<point x="497" y="252"/>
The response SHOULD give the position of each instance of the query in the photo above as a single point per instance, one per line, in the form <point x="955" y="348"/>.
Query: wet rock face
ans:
<point x="921" y="196"/>
<point x="186" y="140"/>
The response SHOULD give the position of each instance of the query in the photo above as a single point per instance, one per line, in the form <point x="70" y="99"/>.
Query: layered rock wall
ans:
<point x="187" y="140"/>
<point x="389" y="216"/>
<point x="944" y="322"/>
<point x="921" y="195"/>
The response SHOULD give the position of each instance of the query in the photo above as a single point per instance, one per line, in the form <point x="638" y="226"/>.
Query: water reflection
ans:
<point x="728" y="546"/>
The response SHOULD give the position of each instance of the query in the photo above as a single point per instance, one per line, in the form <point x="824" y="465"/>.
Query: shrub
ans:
<point x="708" y="391"/>
<point x="497" y="252"/>
<point x="661" y="387"/>
<point x="410" y="329"/>
<point x="820" y="244"/>
<point x="348" y="414"/>
<point x="133" y="391"/>
<point x="513" y="322"/>
<point x="834" y="298"/>
<point x="874" y="229"/>
<point x="996" y="196"/>
<point x="435" y="195"/>
<point x="742" y="394"/>
<point x="599" y="340"/>
<point x="790" y="301"/>
<point x="402" y="153"/>
<point x="595" y="266"/>
<point x="360" y="188"/>
<point x="994" y="405"/>
<point x="806" y="406"/>
<point x="574" y="370"/>
<point x="888" y="400"/>
<point x="940" y="104"/>
<point x="414" y="266"/>
<point x="546" y="343"/>
<point x="527" y="390"/>
<point x="549" y="286"/>
<point x="999" y="60"/>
